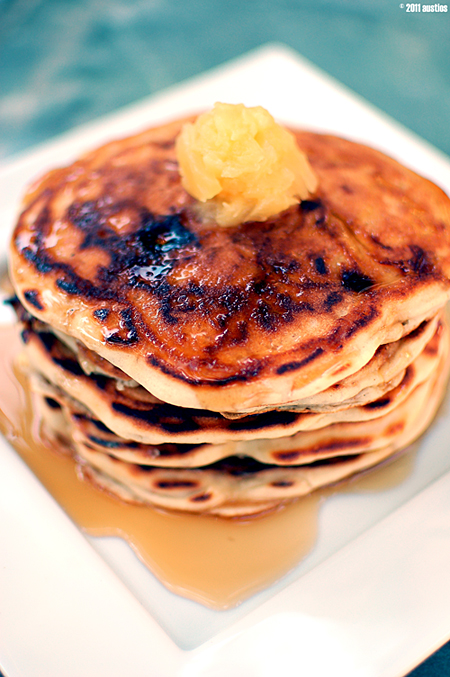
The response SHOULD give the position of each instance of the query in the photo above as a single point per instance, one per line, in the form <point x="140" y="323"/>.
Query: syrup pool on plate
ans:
<point x="216" y="561"/>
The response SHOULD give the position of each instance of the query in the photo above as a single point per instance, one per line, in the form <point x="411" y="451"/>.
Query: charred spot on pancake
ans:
<point x="267" y="420"/>
<point x="40" y="260"/>
<point x="232" y="299"/>
<point x="158" y="237"/>
<point x="33" y="298"/>
<point x="347" y="189"/>
<point x="310" y="205"/>
<point x="99" y="424"/>
<point x="187" y="300"/>
<point x="317" y="210"/>
<point x="48" y="339"/>
<point x="69" y="286"/>
<point x="165" y="416"/>
<point x="201" y="498"/>
<point x="320" y="266"/>
<point x="354" y="280"/>
<point x="173" y="420"/>
<point x="167" y="297"/>
<point x="102" y="314"/>
<point x="147" y="253"/>
<point x="176" y="484"/>
<point x="361" y="322"/>
<point x="84" y="215"/>
<point x="170" y="449"/>
<point x="238" y="465"/>
<point x="162" y="242"/>
<point x="394" y="429"/>
<point x="282" y="267"/>
<point x="419" y="261"/>
<point x="126" y="334"/>
<point x="333" y="298"/>
<point x="22" y="313"/>
<point x="241" y="332"/>
<point x="293" y="366"/>
<point x="332" y="445"/>
<point x="53" y="404"/>
<point x="376" y="240"/>
<point x="286" y="456"/>
<point x="112" y="444"/>
<point x="68" y="282"/>
<point x="100" y="380"/>
<point x="248" y="371"/>
<point x="32" y="248"/>
<point x="378" y="404"/>
<point x="432" y="348"/>
<point x="93" y="219"/>
<point x="74" y="285"/>
<point x="273" y="308"/>
<point x="418" y="330"/>
<point x="69" y="365"/>
<point x="263" y="315"/>
<point x="282" y="484"/>
<point x="410" y="373"/>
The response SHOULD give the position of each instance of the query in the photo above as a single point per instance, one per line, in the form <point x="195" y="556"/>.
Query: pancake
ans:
<point x="383" y="372"/>
<point x="235" y="485"/>
<point x="111" y="252"/>
<point x="215" y="490"/>
<point x="133" y="414"/>
<point x="383" y="426"/>
<point x="67" y="366"/>
<point x="226" y="368"/>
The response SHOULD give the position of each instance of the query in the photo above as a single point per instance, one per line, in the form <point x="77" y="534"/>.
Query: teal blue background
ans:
<point x="65" y="62"/>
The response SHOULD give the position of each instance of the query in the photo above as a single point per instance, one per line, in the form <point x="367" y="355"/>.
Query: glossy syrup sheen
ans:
<point x="215" y="561"/>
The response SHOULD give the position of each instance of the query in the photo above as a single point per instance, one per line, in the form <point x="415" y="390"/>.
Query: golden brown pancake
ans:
<point x="111" y="252"/>
<point x="362" y="430"/>
<point x="228" y="369"/>
<point x="244" y="484"/>
<point x="132" y="413"/>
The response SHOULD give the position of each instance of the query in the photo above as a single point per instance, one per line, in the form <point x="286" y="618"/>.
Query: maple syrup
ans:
<point x="216" y="561"/>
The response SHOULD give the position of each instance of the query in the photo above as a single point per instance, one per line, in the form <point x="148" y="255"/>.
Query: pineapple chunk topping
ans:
<point x="241" y="165"/>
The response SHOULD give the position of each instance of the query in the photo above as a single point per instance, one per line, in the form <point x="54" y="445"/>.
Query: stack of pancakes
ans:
<point x="227" y="370"/>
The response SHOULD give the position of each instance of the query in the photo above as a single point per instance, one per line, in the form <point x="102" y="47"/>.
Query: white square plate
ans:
<point x="371" y="599"/>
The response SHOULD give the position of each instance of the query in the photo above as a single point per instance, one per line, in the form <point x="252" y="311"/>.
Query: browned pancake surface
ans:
<point x="131" y="412"/>
<point x="110" y="251"/>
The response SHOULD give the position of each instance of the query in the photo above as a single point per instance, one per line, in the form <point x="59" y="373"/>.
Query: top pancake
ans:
<point x="111" y="251"/>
